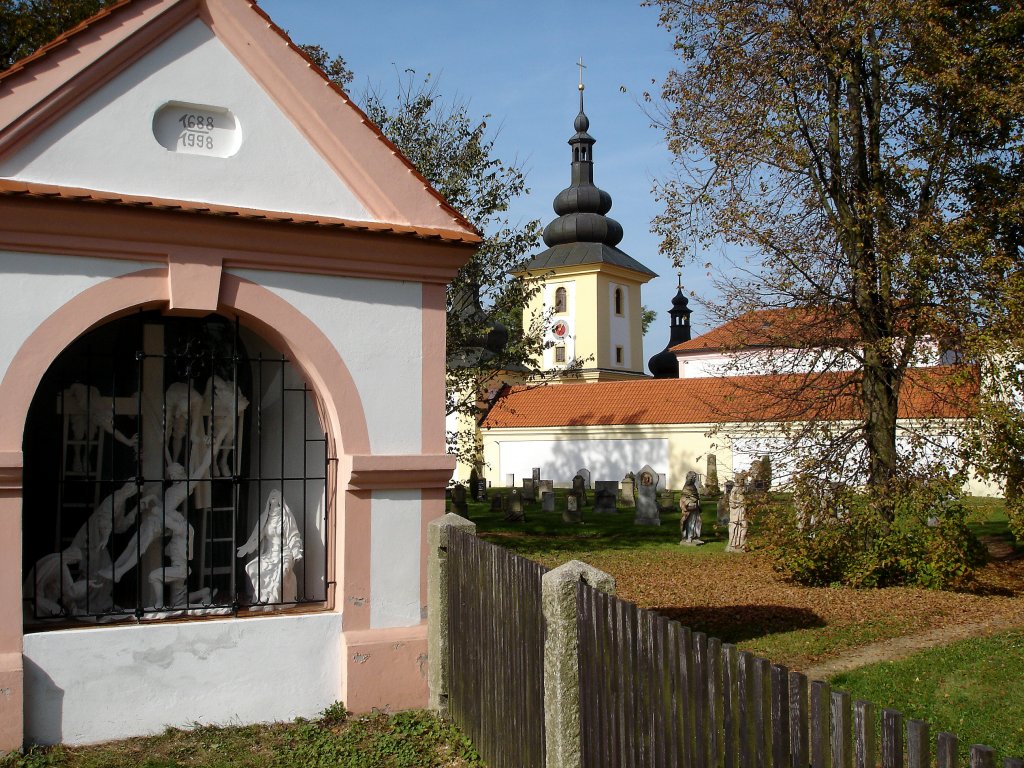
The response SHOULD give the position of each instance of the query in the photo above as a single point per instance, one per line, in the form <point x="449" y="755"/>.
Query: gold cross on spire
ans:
<point x="582" y="66"/>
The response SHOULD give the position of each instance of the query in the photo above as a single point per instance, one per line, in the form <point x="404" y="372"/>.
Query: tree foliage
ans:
<point x="845" y="145"/>
<point x="26" y="25"/>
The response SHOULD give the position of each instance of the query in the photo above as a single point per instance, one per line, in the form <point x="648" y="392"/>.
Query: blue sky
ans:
<point x="517" y="62"/>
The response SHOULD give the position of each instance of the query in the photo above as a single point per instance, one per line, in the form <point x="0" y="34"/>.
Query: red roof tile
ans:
<point x="942" y="392"/>
<point x="28" y="189"/>
<point x="787" y="328"/>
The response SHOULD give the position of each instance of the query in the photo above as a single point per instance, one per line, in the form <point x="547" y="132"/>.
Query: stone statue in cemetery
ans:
<point x="279" y="543"/>
<point x="647" y="498"/>
<point x="579" y="487"/>
<point x="92" y="539"/>
<point x="224" y="403"/>
<point x="474" y="478"/>
<point x="712" y="475"/>
<point x="722" y="508"/>
<point x="738" y="516"/>
<point x="627" y="490"/>
<point x="49" y="587"/>
<point x="184" y="409"/>
<point x="459" y="505"/>
<point x="689" y="509"/>
<point x="585" y="474"/>
<point x="87" y="417"/>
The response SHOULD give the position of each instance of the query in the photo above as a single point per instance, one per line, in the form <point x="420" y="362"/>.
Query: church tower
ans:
<point x="665" y="365"/>
<point x="590" y="290"/>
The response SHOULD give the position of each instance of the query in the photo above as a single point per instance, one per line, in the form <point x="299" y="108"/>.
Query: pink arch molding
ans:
<point x="262" y="311"/>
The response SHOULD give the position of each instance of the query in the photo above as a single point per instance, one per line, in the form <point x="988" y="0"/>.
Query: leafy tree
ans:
<point x="647" y="316"/>
<point x="26" y="25"/>
<point x="844" y="144"/>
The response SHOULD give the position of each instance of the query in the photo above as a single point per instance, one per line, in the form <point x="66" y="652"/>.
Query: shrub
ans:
<point x="914" y="533"/>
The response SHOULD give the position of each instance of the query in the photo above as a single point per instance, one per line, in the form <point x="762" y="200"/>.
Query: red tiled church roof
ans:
<point x="928" y="393"/>
<point x="787" y="327"/>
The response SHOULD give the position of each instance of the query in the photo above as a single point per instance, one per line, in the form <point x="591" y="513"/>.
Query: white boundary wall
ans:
<point x="97" y="684"/>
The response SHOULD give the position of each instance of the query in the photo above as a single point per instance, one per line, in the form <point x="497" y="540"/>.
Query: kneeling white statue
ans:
<point x="277" y="536"/>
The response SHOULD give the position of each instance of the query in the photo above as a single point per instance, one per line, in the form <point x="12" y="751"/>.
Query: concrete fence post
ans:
<point x="563" y="743"/>
<point x="438" y="536"/>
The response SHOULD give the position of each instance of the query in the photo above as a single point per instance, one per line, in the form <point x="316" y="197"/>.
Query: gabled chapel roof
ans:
<point x="38" y="89"/>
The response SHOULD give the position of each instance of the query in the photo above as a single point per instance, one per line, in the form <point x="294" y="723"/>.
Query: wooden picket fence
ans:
<point x="651" y="692"/>
<point x="496" y="651"/>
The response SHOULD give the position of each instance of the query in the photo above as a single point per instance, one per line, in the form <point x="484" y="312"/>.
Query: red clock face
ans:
<point x="559" y="329"/>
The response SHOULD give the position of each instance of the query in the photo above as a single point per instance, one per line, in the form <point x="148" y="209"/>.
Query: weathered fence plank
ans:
<point x="864" y="728"/>
<point x="918" y="749"/>
<point x="945" y="750"/>
<point x="700" y="685"/>
<point x="798" y="721"/>
<point x="982" y="756"/>
<point x="730" y="706"/>
<point x="821" y="724"/>
<point x="842" y="730"/>
<point x="715" y="697"/>
<point x="892" y="739"/>
<point x="780" y="716"/>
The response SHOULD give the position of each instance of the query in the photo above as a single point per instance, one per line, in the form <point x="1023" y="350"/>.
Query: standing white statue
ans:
<point x="92" y="540"/>
<point x="277" y="537"/>
<point x="184" y="414"/>
<point x="49" y="586"/>
<point x="86" y="417"/>
<point x="224" y="404"/>
<point x="738" y="515"/>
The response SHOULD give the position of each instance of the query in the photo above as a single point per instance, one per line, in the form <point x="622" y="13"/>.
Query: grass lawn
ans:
<point x="971" y="688"/>
<point x="403" y="740"/>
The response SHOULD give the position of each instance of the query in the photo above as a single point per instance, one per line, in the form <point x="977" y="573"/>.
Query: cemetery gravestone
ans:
<point x="498" y="503"/>
<point x="547" y="501"/>
<point x="529" y="490"/>
<point x="646" y="498"/>
<point x="481" y="490"/>
<point x="666" y="501"/>
<point x="585" y="474"/>
<point x="579" y="487"/>
<point x="722" y="508"/>
<point x="515" y="508"/>
<point x="626" y="491"/>
<point x="572" y="509"/>
<point x="712" y="474"/>
<point x="536" y="476"/>
<point x="459" y="506"/>
<point x="545" y="486"/>
<point x="604" y="501"/>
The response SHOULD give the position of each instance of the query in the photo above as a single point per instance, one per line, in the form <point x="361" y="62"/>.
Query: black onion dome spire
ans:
<point x="665" y="364"/>
<point x="581" y="207"/>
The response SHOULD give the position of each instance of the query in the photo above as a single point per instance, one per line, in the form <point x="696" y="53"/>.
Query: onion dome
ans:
<point x="665" y="364"/>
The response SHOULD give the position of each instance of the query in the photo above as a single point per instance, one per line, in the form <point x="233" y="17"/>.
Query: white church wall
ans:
<point x="35" y="285"/>
<point x="107" y="142"/>
<point x="396" y="525"/>
<point x="92" y="685"/>
<point x="376" y="326"/>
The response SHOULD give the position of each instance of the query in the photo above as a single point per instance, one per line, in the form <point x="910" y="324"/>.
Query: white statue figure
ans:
<point x="224" y="404"/>
<point x="184" y="409"/>
<point x="86" y="417"/>
<point x="158" y="517"/>
<point x="272" y="571"/>
<point x="738" y="515"/>
<point x="179" y="552"/>
<point x="109" y="516"/>
<point x="50" y="587"/>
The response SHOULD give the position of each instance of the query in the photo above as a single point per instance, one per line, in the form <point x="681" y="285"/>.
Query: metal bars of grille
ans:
<point x="496" y="651"/>
<point x="653" y="693"/>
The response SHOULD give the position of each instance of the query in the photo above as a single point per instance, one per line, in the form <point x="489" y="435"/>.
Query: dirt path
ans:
<point x="901" y="647"/>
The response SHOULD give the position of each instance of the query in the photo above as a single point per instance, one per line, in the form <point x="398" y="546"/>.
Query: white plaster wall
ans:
<point x="35" y="285"/>
<point x="107" y="141"/>
<point x="559" y="460"/>
<point x="396" y="526"/>
<point x="376" y="326"/>
<point x="97" y="684"/>
<point x="619" y="328"/>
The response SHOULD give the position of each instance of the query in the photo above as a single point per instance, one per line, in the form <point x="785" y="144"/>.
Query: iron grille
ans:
<point x="173" y="467"/>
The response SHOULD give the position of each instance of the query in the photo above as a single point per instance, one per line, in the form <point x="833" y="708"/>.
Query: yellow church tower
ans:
<point x="589" y="290"/>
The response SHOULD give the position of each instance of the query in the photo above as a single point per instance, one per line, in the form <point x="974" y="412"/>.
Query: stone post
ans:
<point x="437" y="607"/>
<point x="561" y="660"/>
